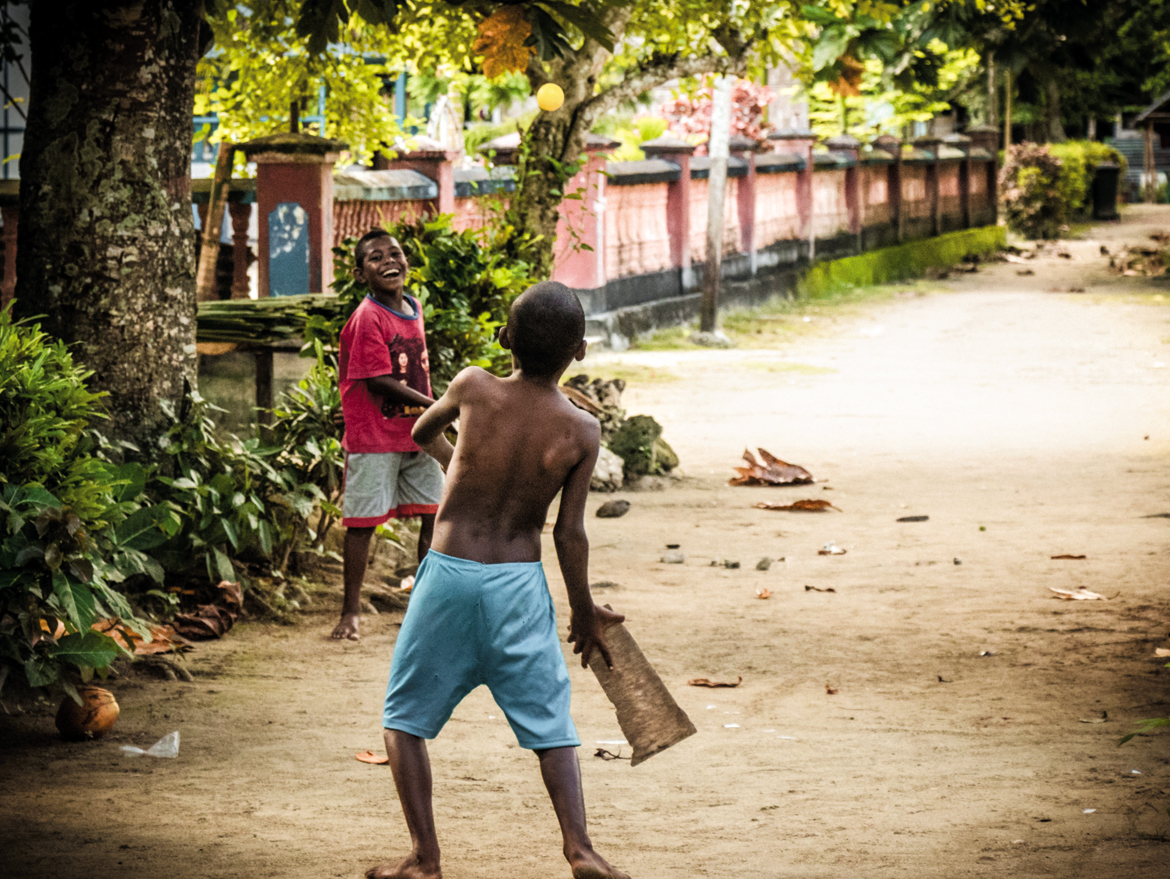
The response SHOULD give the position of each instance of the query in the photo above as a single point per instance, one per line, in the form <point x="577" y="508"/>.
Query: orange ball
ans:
<point x="549" y="97"/>
<point x="91" y="719"/>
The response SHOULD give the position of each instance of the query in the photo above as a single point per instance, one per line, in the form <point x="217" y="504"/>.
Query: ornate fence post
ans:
<point x="800" y="141"/>
<point x="582" y="221"/>
<point x="930" y="145"/>
<point x="962" y="143"/>
<point x="678" y="200"/>
<point x="294" y="193"/>
<point x="848" y="147"/>
<point x="893" y="145"/>
<point x="430" y="160"/>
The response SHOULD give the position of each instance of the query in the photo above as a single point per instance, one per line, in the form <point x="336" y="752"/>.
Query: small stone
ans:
<point x="958" y="561"/>
<point x="673" y="558"/>
<point x="716" y="339"/>
<point x="729" y="563"/>
<point x="608" y="472"/>
<point x="614" y="509"/>
<point x="764" y="563"/>
<point x="604" y="584"/>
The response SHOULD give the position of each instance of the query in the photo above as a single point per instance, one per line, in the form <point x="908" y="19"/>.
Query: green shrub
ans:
<point x="1078" y="165"/>
<point x="70" y="522"/>
<point x="1034" y="204"/>
<point x="240" y="506"/>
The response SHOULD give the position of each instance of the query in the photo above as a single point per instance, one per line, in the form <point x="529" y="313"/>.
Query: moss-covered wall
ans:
<point x="904" y="261"/>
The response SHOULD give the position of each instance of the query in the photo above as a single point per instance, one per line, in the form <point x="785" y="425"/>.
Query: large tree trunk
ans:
<point x="106" y="247"/>
<point x="1054" y="127"/>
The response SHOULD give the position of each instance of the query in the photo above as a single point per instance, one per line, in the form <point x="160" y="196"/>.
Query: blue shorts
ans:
<point x="469" y="624"/>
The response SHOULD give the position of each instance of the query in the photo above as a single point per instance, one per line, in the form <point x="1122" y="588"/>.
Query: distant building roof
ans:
<point x="1156" y="112"/>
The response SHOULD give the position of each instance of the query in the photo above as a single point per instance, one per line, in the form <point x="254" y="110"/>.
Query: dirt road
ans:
<point x="962" y="739"/>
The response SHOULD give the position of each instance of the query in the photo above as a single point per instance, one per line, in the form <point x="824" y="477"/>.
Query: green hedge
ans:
<point x="904" y="261"/>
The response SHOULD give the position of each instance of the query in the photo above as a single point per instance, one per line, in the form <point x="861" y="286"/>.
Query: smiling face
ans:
<point x="382" y="267"/>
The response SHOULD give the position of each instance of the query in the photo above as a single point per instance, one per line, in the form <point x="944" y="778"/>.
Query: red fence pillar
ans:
<point x="745" y="148"/>
<point x="848" y="146"/>
<point x="800" y="141"/>
<point x="932" y="145"/>
<point x="678" y="199"/>
<point x="430" y="160"/>
<point x="296" y="169"/>
<point x="893" y="146"/>
<point x="582" y="221"/>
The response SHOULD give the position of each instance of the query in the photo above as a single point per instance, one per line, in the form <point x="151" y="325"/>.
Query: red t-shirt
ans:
<point x="377" y="341"/>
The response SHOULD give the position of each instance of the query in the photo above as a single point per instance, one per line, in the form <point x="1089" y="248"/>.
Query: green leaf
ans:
<point x="34" y="494"/>
<point x="230" y="530"/>
<point x="40" y="671"/>
<point x="134" y="475"/>
<point x="87" y="648"/>
<point x="142" y="529"/>
<point x="223" y="565"/>
<point x="76" y="598"/>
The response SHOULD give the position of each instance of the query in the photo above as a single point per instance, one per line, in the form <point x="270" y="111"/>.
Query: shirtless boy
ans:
<point x="384" y="374"/>
<point x="480" y="612"/>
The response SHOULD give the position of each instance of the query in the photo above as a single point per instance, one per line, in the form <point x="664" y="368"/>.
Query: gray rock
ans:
<point x="764" y="563"/>
<point x="730" y="563"/>
<point x="608" y="472"/>
<point x="673" y="558"/>
<point x="614" y="509"/>
<point x="717" y="339"/>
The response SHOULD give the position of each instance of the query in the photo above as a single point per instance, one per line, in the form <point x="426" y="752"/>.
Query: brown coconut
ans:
<point x="91" y="719"/>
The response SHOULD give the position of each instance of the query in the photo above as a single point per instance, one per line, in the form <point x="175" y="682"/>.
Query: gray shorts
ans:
<point x="389" y="485"/>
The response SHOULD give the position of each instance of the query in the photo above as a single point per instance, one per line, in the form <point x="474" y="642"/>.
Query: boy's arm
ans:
<point x="429" y="429"/>
<point x="397" y="392"/>
<point x="587" y="621"/>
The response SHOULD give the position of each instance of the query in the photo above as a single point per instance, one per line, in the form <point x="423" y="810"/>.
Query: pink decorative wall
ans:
<point x="777" y="215"/>
<point x="830" y="211"/>
<point x="699" y="218"/>
<point x="636" y="237"/>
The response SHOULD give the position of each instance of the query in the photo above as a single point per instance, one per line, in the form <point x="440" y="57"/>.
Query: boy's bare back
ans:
<point x="520" y="442"/>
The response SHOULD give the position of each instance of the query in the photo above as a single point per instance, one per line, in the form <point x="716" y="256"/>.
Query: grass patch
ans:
<point x="792" y="368"/>
<point x="837" y="288"/>
<point x="630" y="373"/>
<point x="782" y="320"/>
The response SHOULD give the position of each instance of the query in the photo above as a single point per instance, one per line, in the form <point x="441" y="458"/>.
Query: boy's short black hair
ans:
<point x="359" y="252"/>
<point x="546" y="324"/>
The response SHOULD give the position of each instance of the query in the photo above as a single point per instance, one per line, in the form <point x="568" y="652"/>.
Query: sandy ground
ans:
<point x="1040" y="417"/>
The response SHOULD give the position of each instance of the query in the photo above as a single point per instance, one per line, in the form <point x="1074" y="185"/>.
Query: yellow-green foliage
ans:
<point x="903" y="261"/>
<point x="1078" y="163"/>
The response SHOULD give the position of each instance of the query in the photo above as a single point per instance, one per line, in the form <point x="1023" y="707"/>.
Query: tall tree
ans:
<point x="106" y="254"/>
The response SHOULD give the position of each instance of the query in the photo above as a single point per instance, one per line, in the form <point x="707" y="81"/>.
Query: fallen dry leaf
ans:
<point x="772" y="471"/>
<point x="163" y="639"/>
<point x="707" y="682"/>
<point x="763" y="593"/>
<point x="830" y="549"/>
<point x="1081" y="594"/>
<point x="831" y="690"/>
<point x="371" y="757"/>
<point x="806" y="506"/>
<point x="1067" y="556"/>
<point x="1161" y="651"/>
<point x="808" y="588"/>
<point x="212" y="620"/>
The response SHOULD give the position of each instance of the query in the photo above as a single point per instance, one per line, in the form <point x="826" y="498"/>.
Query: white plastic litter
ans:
<point x="1089" y="811"/>
<point x="731" y="726"/>
<point x="1134" y="772"/>
<point x="167" y="746"/>
<point x="612" y="742"/>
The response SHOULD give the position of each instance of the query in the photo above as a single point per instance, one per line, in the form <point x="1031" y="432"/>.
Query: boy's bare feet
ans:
<point x="591" y="865"/>
<point x="408" y="868"/>
<point x="347" y="629"/>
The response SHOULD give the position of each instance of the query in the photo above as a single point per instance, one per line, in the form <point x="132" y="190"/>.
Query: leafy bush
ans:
<point x="71" y="526"/>
<point x="1078" y="165"/>
<point x="236" y="503"/>
<point x="465" y="282"/>
<point x="1030" y="182"/>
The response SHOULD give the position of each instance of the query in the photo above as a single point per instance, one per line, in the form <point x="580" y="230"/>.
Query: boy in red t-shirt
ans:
<point x="384" y="373"/>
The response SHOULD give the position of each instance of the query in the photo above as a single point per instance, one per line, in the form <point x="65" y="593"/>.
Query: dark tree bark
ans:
<point x="106" y="248"/>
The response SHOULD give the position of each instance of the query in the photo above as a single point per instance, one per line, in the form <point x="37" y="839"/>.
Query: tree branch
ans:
<point x="657" y="70"/>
